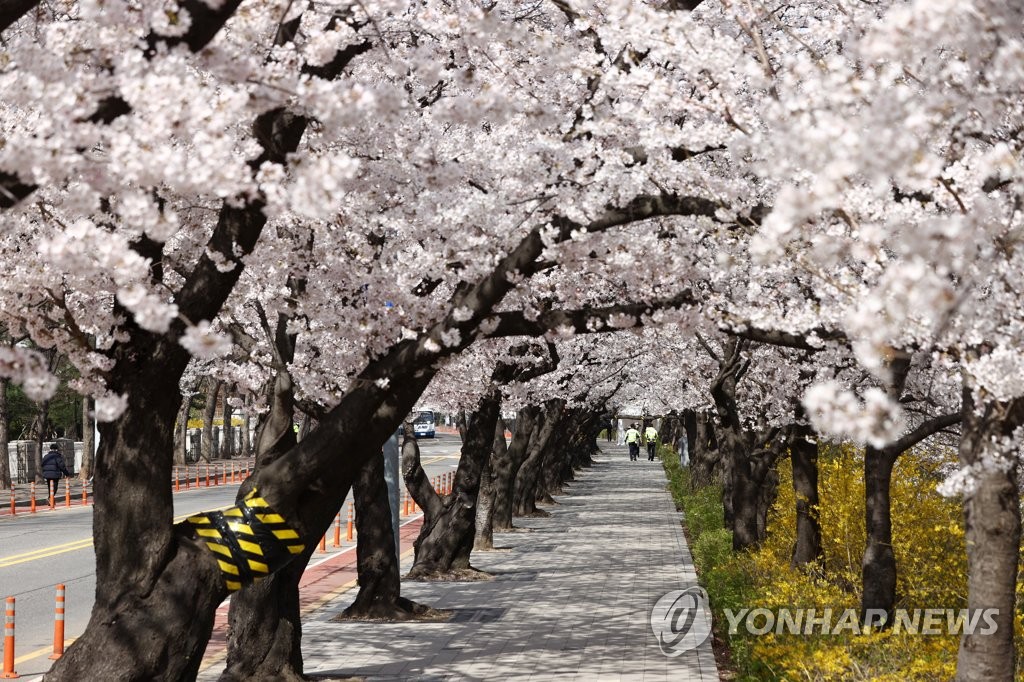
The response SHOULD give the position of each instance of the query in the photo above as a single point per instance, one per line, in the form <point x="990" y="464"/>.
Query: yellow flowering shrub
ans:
<point x="928" y="540"/>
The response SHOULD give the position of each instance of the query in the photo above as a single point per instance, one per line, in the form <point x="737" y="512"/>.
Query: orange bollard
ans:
<point x="405" y="503"/>
<point x="9" y="673"/>
<point x="197" y="475"/>
<point x="32" y="492"/>
<point x="13" y="503"/>
<point x="177" y="480"/>
<point x="323" y="543"/>
<point x="337" y="531"/>
<point x="58" y="625"/>
<point x="348" y="533"/>
<point x="85" y="495"/>
<point x="207" y="475"/>
<point x="67" y="493"/>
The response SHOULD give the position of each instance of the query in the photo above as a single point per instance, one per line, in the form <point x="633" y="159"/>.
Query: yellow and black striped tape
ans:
<point x="250" y="540"/>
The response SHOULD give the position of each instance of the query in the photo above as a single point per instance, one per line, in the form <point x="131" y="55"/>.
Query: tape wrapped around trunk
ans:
<point x="250" y="540"/>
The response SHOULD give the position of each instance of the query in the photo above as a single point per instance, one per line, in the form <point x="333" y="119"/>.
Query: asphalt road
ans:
<point x="38" y="551"/>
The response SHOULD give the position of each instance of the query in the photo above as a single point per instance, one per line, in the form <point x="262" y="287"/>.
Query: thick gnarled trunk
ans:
<point x="505" y="471"/>
<point x="993" y="532"/>
<point x="380" y="587"/>
<point x="705" y="456"/>
<point x="141" y="586"/>
<point x="484" y="539"/>
<point x="446" y="539"/>
<point x="207" y="448"/>
<point x="524" y="501"/>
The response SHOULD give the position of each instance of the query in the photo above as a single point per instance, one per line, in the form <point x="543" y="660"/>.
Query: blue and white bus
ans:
<point x="423" y="424"/>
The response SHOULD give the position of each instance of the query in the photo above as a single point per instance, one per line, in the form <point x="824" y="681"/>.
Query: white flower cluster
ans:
<point x="204" y="343"/>
<point x="1000" y="372"/>
<point x="110" y="406"/>
<point x="876" y="419"/>
<point x="998" y="457"/>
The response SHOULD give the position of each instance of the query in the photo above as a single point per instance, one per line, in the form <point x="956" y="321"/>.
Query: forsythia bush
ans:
<point x="928" y="539"/>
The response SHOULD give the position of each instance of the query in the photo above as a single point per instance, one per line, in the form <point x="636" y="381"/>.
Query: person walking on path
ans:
<point x="53" y="469"/>
<point x="651" y="436"/>
<point x="633" y="441"/>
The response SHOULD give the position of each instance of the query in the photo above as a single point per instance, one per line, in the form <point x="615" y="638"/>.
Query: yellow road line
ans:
<point x="47" y="650"/>
<point x="46" y="552"/>
<point x="44" y="549"/>
<point x="41" y="652"/>
<point x="64" y="548"/>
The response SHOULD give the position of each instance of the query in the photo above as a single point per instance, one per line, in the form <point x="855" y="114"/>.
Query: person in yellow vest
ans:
<point x="633" y="441"/>
<point x="651" y="437"/>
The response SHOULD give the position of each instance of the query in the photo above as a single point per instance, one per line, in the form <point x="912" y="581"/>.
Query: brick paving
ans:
<point x="571" y="599"/>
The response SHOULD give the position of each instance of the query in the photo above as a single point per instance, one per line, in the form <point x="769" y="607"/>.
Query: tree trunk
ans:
<point x="803" y="454"/>
<point x="228" y="450"/>
<point x="705" y="456"/>
<point x="247" y="430"/>
<point x="181" y="432"/>
<point x="745" y="491"/>
<point x="992" y="531"/>
<point x="878" y="567"/>
<point x="380" y="589"/>
<point x="484" y="539"/>
<point x="506" y="470"/>
<point x="265" y="627"/>
<point x="208" y="449"/>
<point x="5" y="460"/>
<point x="147" y="570"/>
<point x="569" y="437"/>
<point x="753" y="489"/>
<point x="39" y="435"/>
<point x="524" y="501"/>
<point x="769" y="493"/>
<point x="88" y="440"/>
<point x="446" y="539"/>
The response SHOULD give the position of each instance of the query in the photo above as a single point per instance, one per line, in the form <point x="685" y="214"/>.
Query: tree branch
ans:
<point x="776" y="337"/>
<point x="583" y="320"/>
<point x="924" y="430"/>
<point x="416" y="481"/>
<point x="12" y="10"/>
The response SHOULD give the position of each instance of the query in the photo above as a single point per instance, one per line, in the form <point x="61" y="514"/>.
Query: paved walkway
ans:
<point x="572" y="598"/>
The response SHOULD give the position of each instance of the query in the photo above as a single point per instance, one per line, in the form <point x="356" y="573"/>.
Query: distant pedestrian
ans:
<point x="53" y="469"/>
<point x="651" y="436"/>
<point x="633" y="441"/>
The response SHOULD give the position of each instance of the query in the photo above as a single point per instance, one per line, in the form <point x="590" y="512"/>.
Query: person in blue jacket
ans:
<point x="53" y="469"/>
